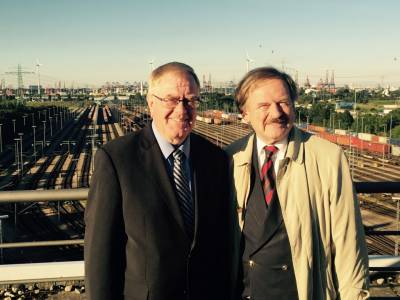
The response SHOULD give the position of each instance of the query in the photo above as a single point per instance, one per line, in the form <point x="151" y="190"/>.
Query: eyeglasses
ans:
<point x="193" y="102"/>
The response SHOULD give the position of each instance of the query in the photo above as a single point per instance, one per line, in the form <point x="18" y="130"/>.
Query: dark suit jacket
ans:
<point x="135" y="243"/>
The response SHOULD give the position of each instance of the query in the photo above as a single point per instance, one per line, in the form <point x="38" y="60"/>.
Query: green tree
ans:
<point x="346" y="119"/>
<point x="396" y="132"/>
<point x="320" y="113"/>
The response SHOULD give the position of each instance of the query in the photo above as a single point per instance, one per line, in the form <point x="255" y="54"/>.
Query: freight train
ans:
<point x="362" y="141"/>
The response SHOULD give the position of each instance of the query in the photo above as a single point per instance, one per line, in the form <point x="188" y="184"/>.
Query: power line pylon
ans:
<point x="19" y="74"/>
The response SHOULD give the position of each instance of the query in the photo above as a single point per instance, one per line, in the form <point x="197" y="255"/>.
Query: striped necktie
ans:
<point x="183" y="191"/>
<point x="267" y="174"/>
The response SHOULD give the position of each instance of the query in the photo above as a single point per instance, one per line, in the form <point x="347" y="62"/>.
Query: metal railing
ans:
<point x="82" y="195"/>
<point x="43" y="196"/>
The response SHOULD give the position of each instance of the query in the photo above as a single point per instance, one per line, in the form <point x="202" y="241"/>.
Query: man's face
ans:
<point x="270" y="110"/>
<point x="177" y="122"/>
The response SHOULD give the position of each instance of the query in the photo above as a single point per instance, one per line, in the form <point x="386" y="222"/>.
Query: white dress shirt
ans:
<point x="276" y="157"/>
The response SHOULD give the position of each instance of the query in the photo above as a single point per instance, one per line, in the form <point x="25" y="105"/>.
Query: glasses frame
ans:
<point x="172" y="103"/>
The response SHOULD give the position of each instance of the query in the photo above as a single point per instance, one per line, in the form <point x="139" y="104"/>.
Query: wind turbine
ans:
<point x="151" y="62"/>
<point x="38" y="75"/>
<point x="248" y="61"/>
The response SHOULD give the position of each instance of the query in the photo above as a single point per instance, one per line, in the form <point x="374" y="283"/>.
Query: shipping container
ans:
<point x="208" y="120"/>
<point x="365" y="136"/>
<point x="374" y="138"/>
<point x="383" y="140"/>
<point x="395" y="150"/>
<point x="355" y="142"/>
<point x="217" y="121"/>
<point x="343" y="140"/>
<point x="377" y="148"/>
<point x="225" y="116"/>
<point x="315" y="128"/>
<point x="328" y="136"/>
<point x="340" y="131"/>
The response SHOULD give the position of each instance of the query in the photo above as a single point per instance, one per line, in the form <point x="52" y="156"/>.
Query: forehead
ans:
<point x="175" y="81"/>
<point x="269" y="89"/>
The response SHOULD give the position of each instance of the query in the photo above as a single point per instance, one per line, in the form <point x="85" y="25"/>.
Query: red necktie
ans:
<point x="267" y="174"/>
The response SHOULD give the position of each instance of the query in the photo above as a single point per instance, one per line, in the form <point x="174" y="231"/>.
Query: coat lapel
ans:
<point x="242" y="176"/>
<point x="154" y="166"/>
<point x="198" y="180"/>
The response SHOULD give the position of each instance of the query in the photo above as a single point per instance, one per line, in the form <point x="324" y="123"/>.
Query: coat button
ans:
<point x="284" y="267"/>
<point x="251" y="263"/>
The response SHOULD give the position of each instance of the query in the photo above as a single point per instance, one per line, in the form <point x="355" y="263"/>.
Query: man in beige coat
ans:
<point x="300" y="233"/>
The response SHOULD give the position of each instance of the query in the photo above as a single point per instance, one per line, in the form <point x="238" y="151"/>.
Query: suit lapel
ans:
<point x="257" y="208"/>
<point x="154" y="164"/>
<point x="198" y="180"/>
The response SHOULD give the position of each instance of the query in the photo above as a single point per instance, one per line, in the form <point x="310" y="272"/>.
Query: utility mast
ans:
<point x="19" y="72"/>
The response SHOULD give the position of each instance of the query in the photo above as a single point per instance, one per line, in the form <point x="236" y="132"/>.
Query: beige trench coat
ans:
<point x="321" y="215"/>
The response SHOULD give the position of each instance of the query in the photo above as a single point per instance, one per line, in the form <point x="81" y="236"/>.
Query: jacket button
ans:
<point x="251" y="263"/>
<point x="284" y="268"/>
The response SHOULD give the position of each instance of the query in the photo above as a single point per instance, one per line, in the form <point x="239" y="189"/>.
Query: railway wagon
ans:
<point x="105" y="116"/>
<point x="356" y="142"/>
<point x="341" y="132"/>
<point x="315" y="128"/>
<point x="328" y="136"/>
<point x="220" y="121"/>
<point x="376" y="148"/>
<point x="208" y="120"/>
<point x="395" y="150"/>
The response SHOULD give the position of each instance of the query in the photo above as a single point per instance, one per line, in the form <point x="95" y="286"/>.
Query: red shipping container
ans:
<point x="355" y="142"/>
<point x="328" y="136"/>
<point x="343" y="140"/>
<point x="316" y="128"/>
<point x="378" y="148"/>
<point x="375" y="139"/>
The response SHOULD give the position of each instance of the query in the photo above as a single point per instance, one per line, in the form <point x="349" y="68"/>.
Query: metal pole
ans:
<point x="396" y="246"/>
<point x="24" y="117"/>
<point x="14" y="125"/>
<point x="34" y="141"/>
<point x="44" y="133"/>
<point x="1" y="138"/>
<point x="16" y="153"/>
<point x="22" y="160"/>
<point x="355" y="100"/>
<point x="51" y="126"/>
<point x="1" y="236"/>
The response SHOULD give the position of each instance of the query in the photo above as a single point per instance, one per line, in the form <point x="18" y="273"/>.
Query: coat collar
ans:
<point x="295" y="149"/>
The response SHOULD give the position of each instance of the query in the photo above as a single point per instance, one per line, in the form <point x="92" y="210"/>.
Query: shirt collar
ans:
<point x="166" y="147"/>
<point x="281" y="145"/>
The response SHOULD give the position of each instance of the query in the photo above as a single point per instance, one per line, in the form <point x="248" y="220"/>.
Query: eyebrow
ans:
<point x="189" y="96"/>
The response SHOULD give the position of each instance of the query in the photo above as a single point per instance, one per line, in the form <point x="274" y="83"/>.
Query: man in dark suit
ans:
<point x="156" y="218"/>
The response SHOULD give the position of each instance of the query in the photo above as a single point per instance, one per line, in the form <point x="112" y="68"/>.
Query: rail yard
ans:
<point x="61" y="157"/>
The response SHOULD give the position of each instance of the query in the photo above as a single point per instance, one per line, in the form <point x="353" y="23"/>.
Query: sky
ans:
<point x="87" y="43"/>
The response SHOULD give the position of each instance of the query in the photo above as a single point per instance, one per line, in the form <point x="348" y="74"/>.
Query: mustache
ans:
<point x="283" y="120"/>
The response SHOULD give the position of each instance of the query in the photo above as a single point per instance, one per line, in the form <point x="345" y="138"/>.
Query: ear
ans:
<point x="150" y="102"/>
<point x="245" y="116"/>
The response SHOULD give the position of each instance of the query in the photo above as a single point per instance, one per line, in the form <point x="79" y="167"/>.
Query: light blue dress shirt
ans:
<point x="167" y="149"/>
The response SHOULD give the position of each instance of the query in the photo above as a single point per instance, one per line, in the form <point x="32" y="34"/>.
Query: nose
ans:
<point x="275" y="110"/>
<point x="181" y="108"/>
